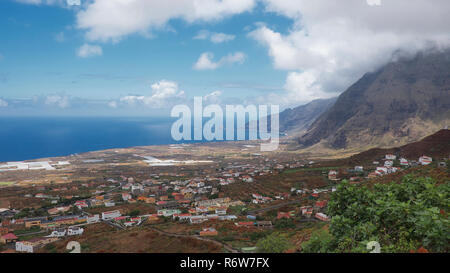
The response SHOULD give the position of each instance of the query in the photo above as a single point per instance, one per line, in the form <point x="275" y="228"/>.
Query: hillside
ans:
<point x="400" y="103"/>
<point x="436" y="146"/>
<point x="301" y="117"/>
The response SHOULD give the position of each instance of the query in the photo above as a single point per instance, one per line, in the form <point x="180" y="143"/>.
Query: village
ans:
<point x="200" y="199"/>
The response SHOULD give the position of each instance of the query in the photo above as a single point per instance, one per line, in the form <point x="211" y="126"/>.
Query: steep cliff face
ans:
<point x="301" y="117"/>
<point x="401" y="102"/>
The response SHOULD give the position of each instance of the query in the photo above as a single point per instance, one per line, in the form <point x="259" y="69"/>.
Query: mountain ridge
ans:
<point x="401" y="102"/>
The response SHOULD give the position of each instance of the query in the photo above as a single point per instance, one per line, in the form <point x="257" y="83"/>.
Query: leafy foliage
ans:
<point x="402" y="217"/>
<point x="284" y="223"/>
<point x="134" y="213"/>
<point x="273" y="243"/>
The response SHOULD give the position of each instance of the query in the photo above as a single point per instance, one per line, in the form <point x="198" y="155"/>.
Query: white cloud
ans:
<point x="112" y="104"/>
<point x="164" y="94"/>
<point x="214" y="37"/>
<point x="3" y="103"/>
<point x="333" y="43"/>
<point x="111" y="20"/>
<point x="88" y="50"/>
<point x="206" y="62"/>
<point x="57" y="100"/>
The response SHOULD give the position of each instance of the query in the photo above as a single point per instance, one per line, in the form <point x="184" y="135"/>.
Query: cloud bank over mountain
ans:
<point x="333" y="43"/>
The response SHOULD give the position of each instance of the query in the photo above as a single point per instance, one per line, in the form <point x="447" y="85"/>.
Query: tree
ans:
<point x="273" y="243"/>
<point x="320" y="242"/>
<point x="400" y="216"/>
<point x="284" y="223"/>
<point x="135" y="213"/>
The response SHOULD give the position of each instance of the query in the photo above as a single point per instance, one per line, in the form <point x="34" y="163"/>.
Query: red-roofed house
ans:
<point x="425" y="160"/>
<point x="245" y="224"/>
<point x="283" y="215"/>
<point x="209" y="232"/>
<point x="8" y="238"/>
<point x="322" y="217"/>
<point x="321" y="204"/>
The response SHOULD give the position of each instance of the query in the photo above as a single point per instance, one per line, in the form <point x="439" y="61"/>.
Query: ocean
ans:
<point x="38" y="137"/>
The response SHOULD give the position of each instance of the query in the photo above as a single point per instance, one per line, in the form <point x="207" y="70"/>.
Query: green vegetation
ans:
<point x="236" y="209"/>
<point x="402" y="217"/>
<point x="20" y="232"/>
<point x="284" y="223"/>
<point x="6" y="183"/>
<point x="255" y="236"/>
<point x="273" y="243"/>
<point x="135" y="213"/>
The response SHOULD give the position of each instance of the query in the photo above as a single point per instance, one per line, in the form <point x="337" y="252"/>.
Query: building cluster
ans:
<point x="391" y="161"/>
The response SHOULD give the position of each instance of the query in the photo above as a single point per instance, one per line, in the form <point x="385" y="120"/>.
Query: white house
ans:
<point x="126" y="196"/>
<point x="382" y="170"/>
<point x="221" y="211"/>
<point x="359" y="168"/>
<point x="425" y="160"/>
<point x="247" y="179"/>
<point x="257" y="196"/>
<point x="198" y="219"/>
<point x="72" y="231"/>
<point x="109" y="215"/>
<point x="24" y="246"/>
<point x="389" y="163"/>
<point x="168" y="212"/>
<point x="390" y="157"/>
<point x="322" y="216"/>
<point x="109" y="204"/>
<point x="93" y="219"/>
<point x="404" y="162"/>
<point x="182" y="217"/>
<point x="227" y="217"/>
<point x="58" y="233"/>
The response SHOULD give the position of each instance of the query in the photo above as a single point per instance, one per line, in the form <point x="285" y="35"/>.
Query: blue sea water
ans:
<point x="37" y="137"/>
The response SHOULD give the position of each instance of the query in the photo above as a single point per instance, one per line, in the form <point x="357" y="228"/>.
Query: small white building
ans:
<point x="247" y="179"/>
<point x="93" y="219"/>
<point x="322" y="216"/>
<point x="109" y="215"/>
<point x="197" y="219"/>
<point x="109" y="204"/>
<point x="73" y="231"/>
<point x="168" y="212"/>
<point x="126" y="196"/>
<point x="390" y="157"/>
<point x="58" y="233"/>
<point x="221" y="211"/>
<point x="388" y="163"/>
<point x="404" y="162"/>
<point x="425" y="160"/>
<point x="359" y="168"/>
<point x="24" y="246"/>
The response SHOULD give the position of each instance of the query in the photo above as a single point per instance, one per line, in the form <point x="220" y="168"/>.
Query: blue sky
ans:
<point x="39" y="57"/>
<point x="67" y="60"/>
